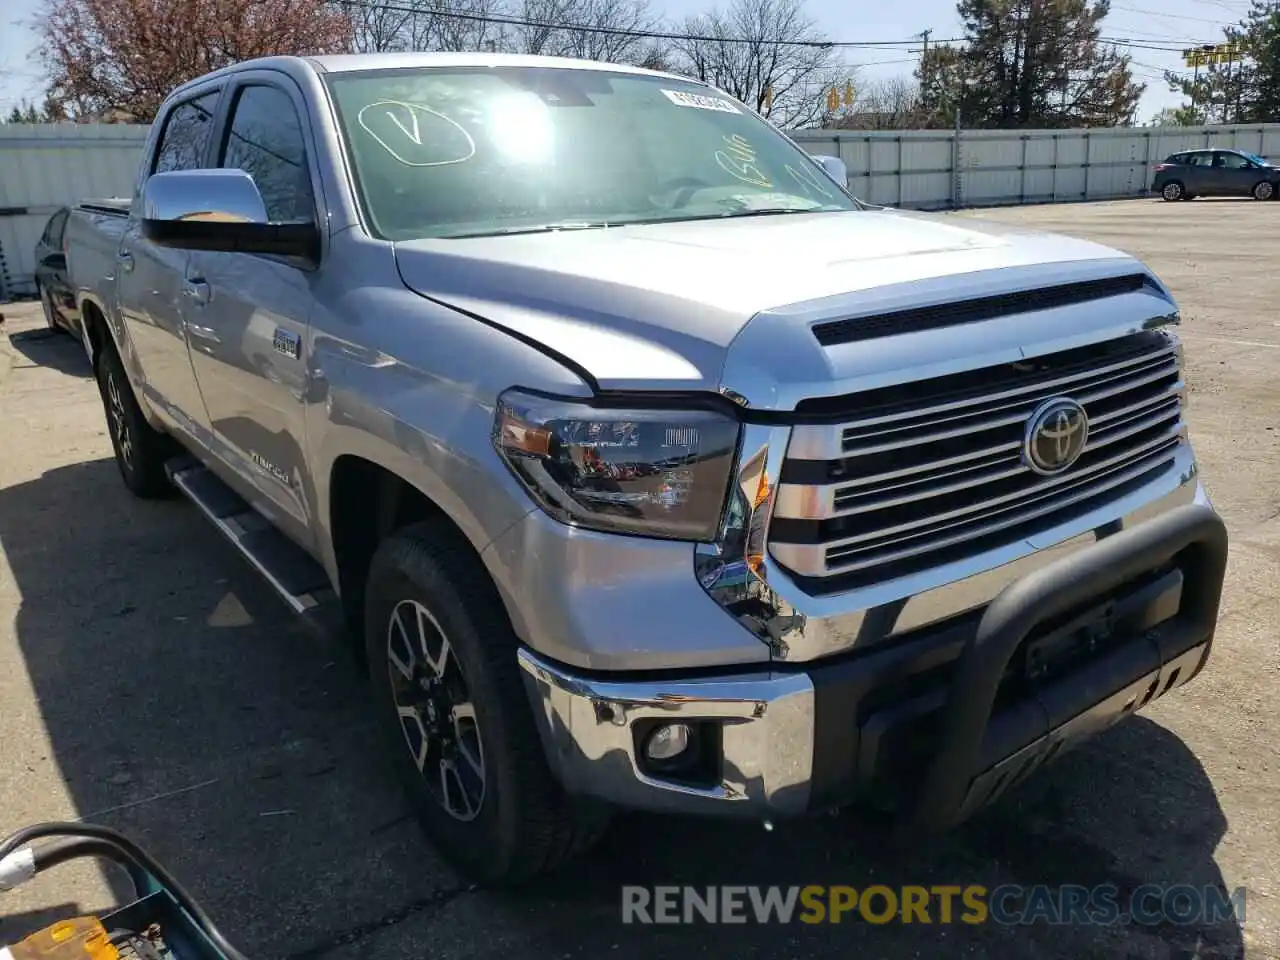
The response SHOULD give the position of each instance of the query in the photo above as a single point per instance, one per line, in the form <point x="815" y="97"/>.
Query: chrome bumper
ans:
<point x="795" y="738"/>
<point x="588" y="731"/>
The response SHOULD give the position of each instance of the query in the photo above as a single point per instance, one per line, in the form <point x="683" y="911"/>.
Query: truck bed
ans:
<point x="92" y="241"/>
<point x="110" y="206"/>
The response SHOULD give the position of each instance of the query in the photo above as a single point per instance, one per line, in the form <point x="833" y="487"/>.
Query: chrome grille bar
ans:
<point x="797" y="556"/>
<point x="930" y="471"/>
<point x="1005" y="413"/>
<point x="1042" y="485"/>
<point x="1120" y="370"/>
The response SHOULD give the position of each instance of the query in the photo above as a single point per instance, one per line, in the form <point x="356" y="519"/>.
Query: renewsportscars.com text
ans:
<point x="1010" y="904"/>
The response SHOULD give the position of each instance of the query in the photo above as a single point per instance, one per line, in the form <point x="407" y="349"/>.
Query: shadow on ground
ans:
<point x="186" y="707"/>
<point x="52" y="348"/>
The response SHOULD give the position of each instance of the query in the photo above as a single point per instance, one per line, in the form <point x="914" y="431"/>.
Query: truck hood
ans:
<point x="659" y="306"/>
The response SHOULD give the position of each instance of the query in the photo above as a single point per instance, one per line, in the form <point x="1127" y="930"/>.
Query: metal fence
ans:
<point x="939" y="169"/>
<point x="43" y="167"/>
<point x="47" y="166"/>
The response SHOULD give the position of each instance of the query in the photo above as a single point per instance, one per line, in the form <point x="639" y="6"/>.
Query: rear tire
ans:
<point x="451" y="704"/>
<point x="140" y="449"/>
<point x="1173" y="190"/>
<point x="1263" y="190"/>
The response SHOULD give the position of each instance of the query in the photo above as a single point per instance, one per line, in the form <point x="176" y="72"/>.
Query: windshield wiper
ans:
<point x="540" y="228"/>
<point x="768" y="212"/>
<point x="763" y="212"/>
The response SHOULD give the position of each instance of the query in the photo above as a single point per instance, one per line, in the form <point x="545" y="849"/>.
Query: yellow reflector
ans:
<point x="80" y="938"/>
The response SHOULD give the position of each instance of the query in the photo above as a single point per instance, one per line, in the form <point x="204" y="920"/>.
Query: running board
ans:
<point x="299" y="579"/>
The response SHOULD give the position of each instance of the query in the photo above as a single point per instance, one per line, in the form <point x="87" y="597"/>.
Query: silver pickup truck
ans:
<point x="651" y="468"/>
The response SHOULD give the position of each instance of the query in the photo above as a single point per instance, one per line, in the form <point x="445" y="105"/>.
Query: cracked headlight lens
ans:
<point x="656" y="473"/>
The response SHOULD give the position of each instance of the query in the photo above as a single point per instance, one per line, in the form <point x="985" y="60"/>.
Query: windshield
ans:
<point x="478" y="151"/>
<point x="1261" y="161"/>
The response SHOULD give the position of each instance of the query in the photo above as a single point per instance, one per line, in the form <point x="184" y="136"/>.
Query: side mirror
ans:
<point x="219" y="210"/>
<point x="835" y="169"/>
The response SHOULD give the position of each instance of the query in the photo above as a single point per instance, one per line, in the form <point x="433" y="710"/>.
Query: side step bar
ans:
<point x="300" y="580"/>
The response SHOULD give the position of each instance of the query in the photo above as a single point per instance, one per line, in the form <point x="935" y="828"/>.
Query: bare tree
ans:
<point x="615" y="30"/>
<point x="377" y="28"/>
<point x="465" y="29"/>
<point x="890" y="104"/>
<point x="540" y="35"/>
<point x="767" y="53"/>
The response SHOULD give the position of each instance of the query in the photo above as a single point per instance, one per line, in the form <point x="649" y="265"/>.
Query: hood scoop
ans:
<point x="956" y="313"/>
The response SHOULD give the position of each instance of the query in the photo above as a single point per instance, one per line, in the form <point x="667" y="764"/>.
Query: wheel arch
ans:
<point x="367" y="499"/>
<point x="96" y="330"/>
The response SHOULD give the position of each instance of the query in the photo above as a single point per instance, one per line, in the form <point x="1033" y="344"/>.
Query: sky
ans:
<point x="1174" y="23"/>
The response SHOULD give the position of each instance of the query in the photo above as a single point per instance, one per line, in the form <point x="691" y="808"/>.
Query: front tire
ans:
<point x="140" y="449"/>
<point x="453" y="711"/>
<point x="1263" y="190"/>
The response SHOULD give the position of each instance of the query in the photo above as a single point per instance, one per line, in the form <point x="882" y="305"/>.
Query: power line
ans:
<point x="1168" y="16"/>
<point x="1138" y="44"/>
<point x="885" y="63"/>
<point x="1152" y="66"/>
<point x="1153" y="37"/>
<point x="623" y="32"/>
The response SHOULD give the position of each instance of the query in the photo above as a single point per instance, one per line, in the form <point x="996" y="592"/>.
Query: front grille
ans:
<point x="933" y="471"/>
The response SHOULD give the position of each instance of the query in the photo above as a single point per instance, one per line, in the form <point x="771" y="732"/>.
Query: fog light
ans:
<point x="667" y="742"/>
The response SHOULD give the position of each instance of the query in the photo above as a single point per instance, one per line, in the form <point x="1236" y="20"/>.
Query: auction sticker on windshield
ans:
<point x="682" y="99"/>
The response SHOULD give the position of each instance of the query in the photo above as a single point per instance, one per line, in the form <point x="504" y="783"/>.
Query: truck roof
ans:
<point x="352" y="62"/>
<point x="346" y="63"/>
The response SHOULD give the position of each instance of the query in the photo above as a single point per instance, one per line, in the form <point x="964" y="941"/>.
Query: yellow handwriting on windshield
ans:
<point x="809" y="180"/>
<point x="739" y="160"/>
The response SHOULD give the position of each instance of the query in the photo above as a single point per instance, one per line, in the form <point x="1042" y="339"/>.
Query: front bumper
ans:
<point x="934" y="725"/>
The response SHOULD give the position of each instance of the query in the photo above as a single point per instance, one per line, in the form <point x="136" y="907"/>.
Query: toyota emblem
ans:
<point x="1056" y="436"/>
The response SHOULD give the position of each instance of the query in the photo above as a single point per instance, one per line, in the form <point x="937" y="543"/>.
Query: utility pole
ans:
<point x="1195" y="89"/>
<point x="924" y="67"/>
<point x="1239" y="67"/>
<point x="924" y="62"/>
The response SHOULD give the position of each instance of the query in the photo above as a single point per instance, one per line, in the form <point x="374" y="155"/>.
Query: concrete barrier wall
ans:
<point x="50" y="165"/>
<point x="939" y="169"/>
<point x="45" y="166"/>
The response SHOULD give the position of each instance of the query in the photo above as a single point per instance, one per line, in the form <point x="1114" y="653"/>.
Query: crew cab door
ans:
<point x="149" y="277"/>
<point x="247" y="314"/>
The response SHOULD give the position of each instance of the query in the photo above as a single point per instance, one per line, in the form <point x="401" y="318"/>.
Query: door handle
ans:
<point x="125" y="259"/>
<point x="203" y="333"/>
<point x="197" y="291"/>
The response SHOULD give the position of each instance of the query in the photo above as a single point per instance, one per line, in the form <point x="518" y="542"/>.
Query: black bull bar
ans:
<point x="1192" y="538"/>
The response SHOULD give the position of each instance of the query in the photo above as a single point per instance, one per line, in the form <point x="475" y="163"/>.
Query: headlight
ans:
<point x="660" y="473"/>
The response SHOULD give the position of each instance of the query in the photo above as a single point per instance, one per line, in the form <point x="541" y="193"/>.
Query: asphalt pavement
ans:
<point x="149" y="681"/>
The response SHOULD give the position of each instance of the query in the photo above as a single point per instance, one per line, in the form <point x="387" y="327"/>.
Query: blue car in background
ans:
<point x="1216" y="173"/>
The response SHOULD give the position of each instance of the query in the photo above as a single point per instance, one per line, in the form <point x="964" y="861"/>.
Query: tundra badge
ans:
<point x="287" y="342"/>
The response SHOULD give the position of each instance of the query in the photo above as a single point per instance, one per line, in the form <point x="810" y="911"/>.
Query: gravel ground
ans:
<point x="150" y="682"/>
